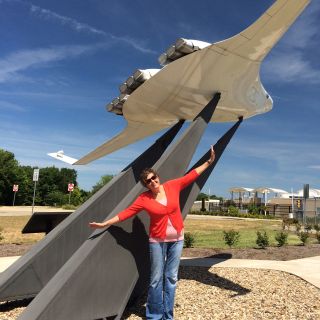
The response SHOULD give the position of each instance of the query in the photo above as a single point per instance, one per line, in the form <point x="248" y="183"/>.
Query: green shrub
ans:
<point x="189" y="240"/>
<point x="282" y="238"/>
<point x="287" y="222"/>
<point x="318" y="236"/>
<point x="308" y="227"/>
<point x="253" y="209"/>
<point x="298" y="228"/>
<point x="303" y="236"/>
<point x="233" y="210"/>
<point x="231" y="237"/>
<point x="234" y="213"/>
<point x="316" y="227"/>
<point x="69" y="207"/>
<point x="262" y="239"/>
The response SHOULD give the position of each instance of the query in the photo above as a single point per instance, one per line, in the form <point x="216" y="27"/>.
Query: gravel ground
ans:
<point x="227" y="293"/>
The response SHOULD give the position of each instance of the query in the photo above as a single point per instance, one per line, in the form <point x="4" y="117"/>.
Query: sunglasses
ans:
<point x="148" y="181"/>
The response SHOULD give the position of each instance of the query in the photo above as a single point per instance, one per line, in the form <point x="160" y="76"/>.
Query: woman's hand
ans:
<point x="204" y="166"/>
<point x="97" y="225"/>
<point x="107" y="223"/>
<point x="212" y="155"/>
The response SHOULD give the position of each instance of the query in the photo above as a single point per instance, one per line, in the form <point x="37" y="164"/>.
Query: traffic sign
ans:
<point x="36" y="174"/>
<point x="70" y="187"/>
<point x="15" y="188"/>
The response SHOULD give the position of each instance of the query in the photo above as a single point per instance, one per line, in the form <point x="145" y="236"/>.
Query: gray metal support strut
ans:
<point x="113" y="265"/>
<point x="189" y="194"/>
<point x="28" y="275"/>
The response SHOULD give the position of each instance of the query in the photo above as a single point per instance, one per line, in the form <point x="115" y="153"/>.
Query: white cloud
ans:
<point x="11" y="65"/>
<point x="290" y="66"/>
<point x="290" y="61"/>
<point x="305" y="29"/>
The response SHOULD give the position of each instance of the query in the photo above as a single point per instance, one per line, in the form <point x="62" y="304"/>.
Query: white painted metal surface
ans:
<point x="183" y="87"/>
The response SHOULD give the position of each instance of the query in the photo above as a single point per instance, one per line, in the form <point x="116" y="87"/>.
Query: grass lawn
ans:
<point x="11" y="230"/>
<point x="209" y="233"/>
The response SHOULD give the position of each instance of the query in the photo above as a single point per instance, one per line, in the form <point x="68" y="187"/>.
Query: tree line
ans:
<point x="51" y="189"/>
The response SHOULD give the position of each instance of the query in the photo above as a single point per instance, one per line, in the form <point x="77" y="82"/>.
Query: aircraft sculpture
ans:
<point x="193" y="71"/>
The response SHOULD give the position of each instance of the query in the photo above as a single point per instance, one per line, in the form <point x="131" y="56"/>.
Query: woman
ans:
<point x="161" y="202"/>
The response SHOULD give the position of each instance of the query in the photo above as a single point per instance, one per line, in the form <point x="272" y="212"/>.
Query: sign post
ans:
<point x="15" y="190"/>
<point x="35" y="179"/>
<point x="70" y="189"/>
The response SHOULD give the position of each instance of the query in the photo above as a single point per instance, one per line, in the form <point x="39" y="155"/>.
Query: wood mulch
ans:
<point x="284" y="253"/>
<point x="224" y="293"/>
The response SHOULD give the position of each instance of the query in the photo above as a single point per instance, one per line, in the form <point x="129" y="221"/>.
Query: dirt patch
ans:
<point x="270" y="253"/>
<point x="14" y="249"/>
<point x="284" y="253"/>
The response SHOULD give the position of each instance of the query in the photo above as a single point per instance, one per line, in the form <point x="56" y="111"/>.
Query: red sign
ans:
<point x="70" y="187"/>
<point x="15" y="188"/>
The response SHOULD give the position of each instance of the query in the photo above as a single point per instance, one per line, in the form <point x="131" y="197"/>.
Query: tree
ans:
<point x="202" y="195"/>
<point x="51" y="187"/>
<point x="9" y="175"/>
<point x="103" y="181"/>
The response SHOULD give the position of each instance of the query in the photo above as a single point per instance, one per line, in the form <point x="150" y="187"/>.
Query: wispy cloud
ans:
<point x="16" y="62"/>
<point x="291" y="62"/>
<point x="72" y="23"/>
<point x="86" y="28"/>
<point x="5" y="105"/>
<point x="291" y="66"/>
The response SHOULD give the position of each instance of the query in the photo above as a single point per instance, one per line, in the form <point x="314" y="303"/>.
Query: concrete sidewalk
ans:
<point x="307" y="268"/>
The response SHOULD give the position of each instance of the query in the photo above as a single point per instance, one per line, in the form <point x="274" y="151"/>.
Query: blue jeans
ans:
<point x="164" y="259"/>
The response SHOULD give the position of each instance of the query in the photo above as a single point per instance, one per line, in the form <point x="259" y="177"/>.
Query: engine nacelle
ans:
<point x="126" y="88"/>
<point x="181" y="48"/>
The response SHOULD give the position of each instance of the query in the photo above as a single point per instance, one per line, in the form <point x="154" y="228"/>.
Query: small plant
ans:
<point x="262" y="239"/>
<point x="69" y="207"/>
<point x="231" y="237"/>
<point x="253" y="209"/>
<point x="308" y="227"/>
<point x="316" y="227"/>
<point x="318" y="236"/>
<point x="303" y="236"/>
<point x="189" y="240"/>
<point x="233" y="210"/>
<point x="288" y="222"/>
<point x="282" y="238"/>
<point x="298" y="227"/>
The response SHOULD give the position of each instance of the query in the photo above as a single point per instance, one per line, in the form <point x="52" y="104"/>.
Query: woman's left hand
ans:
<point x="212" y="155"/>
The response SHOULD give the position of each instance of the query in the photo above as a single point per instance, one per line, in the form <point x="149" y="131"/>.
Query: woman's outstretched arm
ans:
<point x="107" y="223"/>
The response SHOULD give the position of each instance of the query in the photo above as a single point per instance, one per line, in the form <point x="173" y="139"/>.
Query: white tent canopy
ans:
<point x="268" y="190"/>
<point x="313" y="193"/>
<point x="240" y="189"/>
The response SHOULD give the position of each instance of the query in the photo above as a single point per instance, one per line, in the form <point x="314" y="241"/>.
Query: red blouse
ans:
<point x="159" y="213"/>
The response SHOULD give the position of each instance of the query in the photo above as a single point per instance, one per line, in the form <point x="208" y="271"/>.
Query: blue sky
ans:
<point x="61" y="62"/>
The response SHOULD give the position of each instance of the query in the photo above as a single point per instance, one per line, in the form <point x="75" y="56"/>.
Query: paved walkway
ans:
<point x="26" y="210"/>
<point x="307" y="268"/>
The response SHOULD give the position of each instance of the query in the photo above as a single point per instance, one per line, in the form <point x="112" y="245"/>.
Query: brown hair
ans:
<point x="144" y="174"/>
